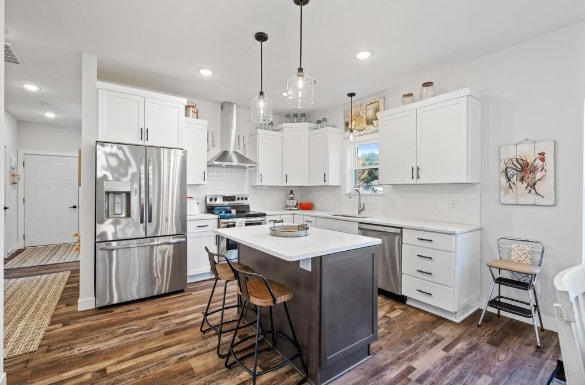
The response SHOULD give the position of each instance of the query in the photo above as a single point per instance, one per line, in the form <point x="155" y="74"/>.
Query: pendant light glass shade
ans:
<point x="300" y="90"/>
<point x="261" y="109"/>
<point x="300" y="87"/>
<point x="261" y="106"/>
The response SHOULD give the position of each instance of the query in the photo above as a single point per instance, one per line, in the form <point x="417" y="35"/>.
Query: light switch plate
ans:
<point x="305" y="264"/>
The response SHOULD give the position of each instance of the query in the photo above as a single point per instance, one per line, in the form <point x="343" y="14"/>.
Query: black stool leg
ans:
<point x="221" y="322"/>
<point x="292" y="329"/>
<point x="272" y="329"/>
<point x="207" y="308"/>
<point x="231" y="349"/>
<point x="255" y="369"/>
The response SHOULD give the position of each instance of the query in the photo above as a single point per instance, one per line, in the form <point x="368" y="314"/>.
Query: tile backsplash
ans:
<point x="454" y="203"/>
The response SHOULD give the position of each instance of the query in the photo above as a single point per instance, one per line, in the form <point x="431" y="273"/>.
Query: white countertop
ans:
<point x="318" y="242"/>
<point x="201" y="216"/>
<point x="415" y="224"/>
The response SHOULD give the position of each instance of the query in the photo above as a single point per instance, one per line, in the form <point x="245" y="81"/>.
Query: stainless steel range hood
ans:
<point x="228" y="156"/>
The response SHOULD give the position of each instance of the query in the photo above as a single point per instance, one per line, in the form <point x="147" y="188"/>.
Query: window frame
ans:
<point x="351" y="161"/>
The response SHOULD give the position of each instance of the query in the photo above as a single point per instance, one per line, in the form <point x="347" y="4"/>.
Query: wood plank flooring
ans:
<point x="158" y="341"/>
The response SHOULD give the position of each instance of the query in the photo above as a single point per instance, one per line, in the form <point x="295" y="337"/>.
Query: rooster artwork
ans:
<point x="526" y="173"/>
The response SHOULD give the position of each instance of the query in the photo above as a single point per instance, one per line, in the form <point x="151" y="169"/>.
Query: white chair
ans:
<point x="570" y="315"/>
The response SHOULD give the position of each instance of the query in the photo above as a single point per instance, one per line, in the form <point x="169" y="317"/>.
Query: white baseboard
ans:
<point x="86" y="304"/>
<point x="3" y="381"/>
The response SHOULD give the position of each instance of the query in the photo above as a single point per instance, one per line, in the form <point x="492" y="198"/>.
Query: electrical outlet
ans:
<point x="305" y="264"/>
<point x="452" y="204"/>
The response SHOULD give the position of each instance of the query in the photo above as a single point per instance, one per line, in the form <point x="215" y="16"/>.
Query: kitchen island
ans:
<point x="333" y="276"/>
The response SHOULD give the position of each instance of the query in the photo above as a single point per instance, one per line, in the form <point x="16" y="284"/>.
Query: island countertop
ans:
<point x="318" y="242"/>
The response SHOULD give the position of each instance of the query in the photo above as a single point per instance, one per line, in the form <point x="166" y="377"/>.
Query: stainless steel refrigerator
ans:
<point x="141" y="222"/>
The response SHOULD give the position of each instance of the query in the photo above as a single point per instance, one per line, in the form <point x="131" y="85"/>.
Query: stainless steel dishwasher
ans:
<point x="390" y="258"/>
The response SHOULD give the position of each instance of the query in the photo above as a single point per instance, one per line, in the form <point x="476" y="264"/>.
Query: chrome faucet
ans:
<point x="361" y="206"/>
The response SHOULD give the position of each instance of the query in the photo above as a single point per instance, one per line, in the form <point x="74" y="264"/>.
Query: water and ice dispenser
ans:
<point x="117" y="199"/>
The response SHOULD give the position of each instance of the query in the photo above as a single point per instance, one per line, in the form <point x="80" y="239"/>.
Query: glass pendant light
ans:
<point x="351" y="95"/>
<point x="300" y="87"/>
<point x="261" y="106"/>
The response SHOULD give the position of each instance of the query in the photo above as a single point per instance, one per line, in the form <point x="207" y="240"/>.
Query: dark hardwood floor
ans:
<point x="157" y="341"/>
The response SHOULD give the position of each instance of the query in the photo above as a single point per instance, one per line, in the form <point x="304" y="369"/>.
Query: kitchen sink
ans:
<point x="349" y="216"/>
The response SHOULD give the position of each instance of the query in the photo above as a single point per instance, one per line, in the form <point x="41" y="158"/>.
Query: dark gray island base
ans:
<point x="334" y="309"/>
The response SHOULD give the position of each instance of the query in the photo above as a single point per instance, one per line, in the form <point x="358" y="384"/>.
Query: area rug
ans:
<point x="29" y="303"/>
<point x="44" y="255"/>
<point x="558" y="375"/>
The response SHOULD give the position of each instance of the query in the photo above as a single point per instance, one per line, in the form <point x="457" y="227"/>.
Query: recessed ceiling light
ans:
<point x="50" y="115"/>
<point x="363" y="55"/>
<point x="205" y="72"/>
<point x="31" y="87"/>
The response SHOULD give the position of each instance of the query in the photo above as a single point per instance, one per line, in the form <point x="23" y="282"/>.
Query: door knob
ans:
<point x="6" y="207"/>
<point x="73" y="207"/>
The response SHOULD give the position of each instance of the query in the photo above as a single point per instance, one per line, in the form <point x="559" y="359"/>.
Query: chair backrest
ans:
<point x="570" y="315"/>
<point x="244" y="277"/>
<point x="214" y="259"/>
<point x="521" y="250"/>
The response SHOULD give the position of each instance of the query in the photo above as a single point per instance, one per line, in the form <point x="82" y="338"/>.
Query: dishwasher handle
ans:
<point x="385" y="229"/>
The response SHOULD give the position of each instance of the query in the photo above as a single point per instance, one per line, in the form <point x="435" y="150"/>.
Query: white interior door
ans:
<point x="50" y="199"/>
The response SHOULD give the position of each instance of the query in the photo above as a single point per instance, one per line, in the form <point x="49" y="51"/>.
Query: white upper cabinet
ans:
<point x="295" y="154"/>
<point x="436" y="140"/>
<point x="195" y="142"/>
<point x="130" y="115"/>
<point x="325" y="157"/>
<point x="266" y="150"/>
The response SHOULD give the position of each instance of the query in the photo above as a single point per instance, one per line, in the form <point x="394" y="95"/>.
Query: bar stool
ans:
<point x="517" y="267"/>
<point x="221" y="271"/>
<point x="261" y="292"/>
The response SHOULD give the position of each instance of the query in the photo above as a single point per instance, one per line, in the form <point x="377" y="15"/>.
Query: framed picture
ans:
<point x="527" y="173"/>
<point x="364" y="116"/>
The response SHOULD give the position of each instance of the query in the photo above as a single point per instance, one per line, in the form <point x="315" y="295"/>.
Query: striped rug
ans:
<point x="29" y="304"/>
<point x="44" y="255"/>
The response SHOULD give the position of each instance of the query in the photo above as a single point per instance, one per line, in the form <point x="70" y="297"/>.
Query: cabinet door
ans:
<point x="337" y="225"/>
<point x="164" y="122"/>
<point x="295" y="157"/>
<point x="442" y="142"/>
<point x="196" y="145"/>
<point x="318" y="159"/>
<point x="120" y="117"/>
<point x="266" y="150"/>
<point x="398" y="148"/>
<point x="197" y="259"/>
<point x="287" y="218"/>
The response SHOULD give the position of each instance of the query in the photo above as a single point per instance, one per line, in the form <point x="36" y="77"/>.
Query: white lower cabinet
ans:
<point x="304" y="219"/>
<point x="440" y="272"/>
<point x="200" y="235"/>
<point x="337" y="225"/>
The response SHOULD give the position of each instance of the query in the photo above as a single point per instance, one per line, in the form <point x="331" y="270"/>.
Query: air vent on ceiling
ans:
<point x="10" y="55"/>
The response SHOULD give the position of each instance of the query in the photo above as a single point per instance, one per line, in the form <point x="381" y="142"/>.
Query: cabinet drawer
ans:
<point x="196" y="226"/>
<point x="428" y="292"/>
<point x="430" y="239"/>
<point x="428" y="264"/>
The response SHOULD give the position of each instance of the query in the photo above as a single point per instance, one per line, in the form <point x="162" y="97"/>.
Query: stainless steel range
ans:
<point x="233" y="211"/>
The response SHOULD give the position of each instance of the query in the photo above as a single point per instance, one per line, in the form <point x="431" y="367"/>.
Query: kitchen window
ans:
<point x="365" y="163"/>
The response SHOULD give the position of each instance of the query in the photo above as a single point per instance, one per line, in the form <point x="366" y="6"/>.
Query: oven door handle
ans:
<point x="257" y="222"/>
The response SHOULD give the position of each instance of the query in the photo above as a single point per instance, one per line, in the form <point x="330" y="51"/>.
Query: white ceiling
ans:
<point x="159" y="45"/>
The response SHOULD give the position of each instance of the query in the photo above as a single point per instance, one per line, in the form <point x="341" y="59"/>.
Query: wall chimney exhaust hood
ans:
<point x="228" y="156"/>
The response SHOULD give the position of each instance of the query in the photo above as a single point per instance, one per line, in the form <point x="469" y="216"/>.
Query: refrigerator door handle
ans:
<point x="150" y="244"/>
<point x="141" y="190"/>
<point x="150" y="176"/>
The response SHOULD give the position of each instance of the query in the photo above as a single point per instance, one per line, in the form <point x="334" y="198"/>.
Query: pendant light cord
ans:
<point x="261" y="61"/>
<point x="301" y="40"/>
<point x="351" y="114"/>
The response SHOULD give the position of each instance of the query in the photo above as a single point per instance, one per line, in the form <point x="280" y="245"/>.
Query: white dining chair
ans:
<point x="570" y="316"/>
